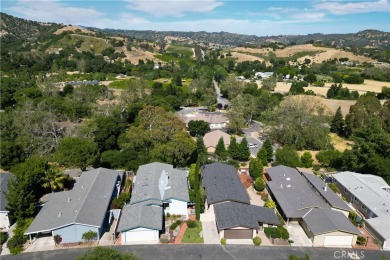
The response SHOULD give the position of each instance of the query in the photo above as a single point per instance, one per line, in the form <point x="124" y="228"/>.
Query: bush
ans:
<point x="164" y="241"/>
<point x="178" y="222"/>
<point x="361" y="240"/>
<point x="168" y="215"/>
<point x="89" y="236"/>
<point x="16" y="243"/>
<point x="173" y="226"/>
<point x="191" y="223"/>
<point x="3" y="237"/>
<point x="276" y="232"/>
<point x="223" y="241"/>
<point x="256" y="241"/>
<point x="57" y="239"/>
<point x="259" y="184"/>
<point x="316" y="167"/>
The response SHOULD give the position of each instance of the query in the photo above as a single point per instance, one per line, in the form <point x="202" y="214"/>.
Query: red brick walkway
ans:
<point x="370" y="243"/>
<point x="182" y="231"/>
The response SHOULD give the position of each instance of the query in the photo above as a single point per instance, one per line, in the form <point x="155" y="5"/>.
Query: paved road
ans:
<point x="251" y="140"/>
<point x="220" y="99"/>
<point x="213" y="252"/>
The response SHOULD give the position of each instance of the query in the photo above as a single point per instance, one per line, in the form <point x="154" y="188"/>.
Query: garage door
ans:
<point x="238" y="233"/>
<point x="145" y="235"/>
<point x="338" y="241"/>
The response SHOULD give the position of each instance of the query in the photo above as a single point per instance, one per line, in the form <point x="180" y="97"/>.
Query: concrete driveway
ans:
<point x="45" y="243"/>
<point x="298" y="235"/>
<point x="254" y="198"/>
<point x="210" y="233"/>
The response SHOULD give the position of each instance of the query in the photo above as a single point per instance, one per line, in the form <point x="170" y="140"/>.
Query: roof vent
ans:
<point x="59" y="214"/>
<point x="69" y="199"/>
<point x="82" y="186"/>
<point x="325" y="188"/>
<point x="288" y="179"/>
<point x="289" y="186"/>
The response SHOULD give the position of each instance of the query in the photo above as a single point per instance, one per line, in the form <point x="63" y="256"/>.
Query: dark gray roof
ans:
<point x="4" y="177"/>
<point x="321" y="221"/>
<point x="331" y="198"/>
<point x="86" y="203"/>
<point x="152" y="182"/>
<point x="233" y="214"/>
<point x="292" y="192"/>
<point x="222" y="184"/>
<point x="141" y="216"/>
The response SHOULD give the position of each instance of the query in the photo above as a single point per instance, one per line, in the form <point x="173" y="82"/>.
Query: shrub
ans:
<point x="168" y="215"/>
<point x="191" y="223"/>
<point x="3" y="237"/>
<point x="316" y="167"/>
<point x="89" y="236"/>
<point x="178" y="222"/>
<point x="270" y="204"/>
<point x="223" y="241"/>
<point x="334" y="188"/>
<point x="259" y="184"/>
<point x="164" y="241"/>
<point x="16" y="243"/>
<point x="57" y="239"/>
<point x="256" y="241"/>
<point x="361" y="240"/>
<point x="276" y="232"/>
<point x="173" y="226"/>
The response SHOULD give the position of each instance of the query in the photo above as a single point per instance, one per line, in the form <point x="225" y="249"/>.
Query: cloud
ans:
<point x="282" y="13"/>
<point x="340" y="8"/>
<point x="53" y="11"/>
<point x="177" y="8"/>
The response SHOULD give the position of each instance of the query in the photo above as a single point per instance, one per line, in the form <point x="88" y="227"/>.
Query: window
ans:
<point x="346" y="191"/>
<point x="363" y="207"/>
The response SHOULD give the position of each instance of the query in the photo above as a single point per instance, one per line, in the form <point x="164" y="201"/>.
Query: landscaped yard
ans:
<point x="192" y="235"/>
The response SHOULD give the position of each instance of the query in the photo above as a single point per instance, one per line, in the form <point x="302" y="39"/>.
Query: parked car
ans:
<point x="252" y="146"/>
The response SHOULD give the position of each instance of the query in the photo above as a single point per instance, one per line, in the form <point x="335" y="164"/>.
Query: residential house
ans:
<point x="228" y="201"/>
<point x="216" y="120"/>
<point x="158" y="189"/>
<point x="4" y="212"/>
<point x="303" y="198"/>
<point x="263" y="75"/>
<point x="370" y="196"/>
<point x="211" y="140"/>
<point x="86" y="207"/>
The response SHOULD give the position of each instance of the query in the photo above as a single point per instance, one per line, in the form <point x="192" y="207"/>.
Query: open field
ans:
<point x="245" y="57"/>
<point x="137" y="54"/>
<point x="301" y="52"/>
<point x="339" y="143"/>
<point x="183" y="50"/>
<point x="369" y="85"/>
<point x="72" y="29"/>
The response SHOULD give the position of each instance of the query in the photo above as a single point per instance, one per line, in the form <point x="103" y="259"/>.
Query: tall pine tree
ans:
<point x="220" y="150"/>
<point x="243" y="148"/>
<point x="262" y="156"/>
<point x="201" y="148"/>
<point x="233" y="148"/>
<point x="268" y="147"/>
<point x="337" y="124"/>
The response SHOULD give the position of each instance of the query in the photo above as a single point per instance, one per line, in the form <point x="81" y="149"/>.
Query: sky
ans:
<point x="256" y="17"/>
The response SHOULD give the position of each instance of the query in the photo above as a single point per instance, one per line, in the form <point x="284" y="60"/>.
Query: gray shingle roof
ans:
<point x="141" y="216"/>
<point x="233" y="214"/>
<point x="222" y="184"/>
<point x="293" y="193"/>
<point x="331" y="197"/>
<point x="152" y="180"/>
<point x="86" y="203"/>
<point x="369" y="190"/>
<point x="4" y="177"/>
<point x="321" y="221"/>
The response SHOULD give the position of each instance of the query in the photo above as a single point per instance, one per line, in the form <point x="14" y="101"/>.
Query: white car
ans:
<point x="252" y="146"/>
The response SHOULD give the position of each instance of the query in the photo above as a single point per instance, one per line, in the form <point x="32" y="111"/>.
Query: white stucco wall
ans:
<point x="139" y="235"/>
<point x="177" y="207"/>
<point x="319" y="240"/>
<point x="4" y="221"/>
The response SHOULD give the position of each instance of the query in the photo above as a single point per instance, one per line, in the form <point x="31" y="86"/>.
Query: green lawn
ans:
<point x="183" y="50"/>
<point x="192" y="234"/>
